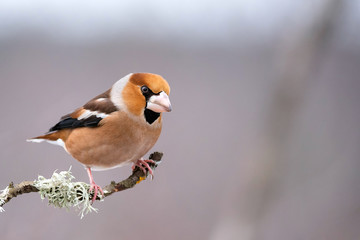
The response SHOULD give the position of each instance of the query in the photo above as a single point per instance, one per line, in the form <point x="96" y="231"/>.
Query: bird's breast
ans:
<point x="119" y="140"/>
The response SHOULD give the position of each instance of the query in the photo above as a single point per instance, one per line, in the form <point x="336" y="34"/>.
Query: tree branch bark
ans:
<point x="136" y="177"/>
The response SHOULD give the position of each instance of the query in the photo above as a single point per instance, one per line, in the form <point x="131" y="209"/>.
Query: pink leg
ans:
<point x="143" y="165"/>
<point x="93" y="185"/>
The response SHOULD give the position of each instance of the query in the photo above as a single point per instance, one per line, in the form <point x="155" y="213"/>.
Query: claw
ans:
<point x="144" y="165"/>
<point x="96" y="188"/>
<point x="93" y="186"/>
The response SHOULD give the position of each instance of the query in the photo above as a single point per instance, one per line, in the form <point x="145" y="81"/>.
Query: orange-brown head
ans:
<point x="142" y="94"/>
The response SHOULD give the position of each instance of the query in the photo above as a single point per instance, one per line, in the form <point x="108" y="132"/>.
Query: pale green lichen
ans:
<point x="61" y="192"/>
<point x="3" y="195"/>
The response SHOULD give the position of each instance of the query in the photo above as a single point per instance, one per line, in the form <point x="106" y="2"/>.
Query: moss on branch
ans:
<point x="62" y="192"/>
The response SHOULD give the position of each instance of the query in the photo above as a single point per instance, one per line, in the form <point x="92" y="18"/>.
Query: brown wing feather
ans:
<point x="101" y="103"/>
<point x="93" y="110"/>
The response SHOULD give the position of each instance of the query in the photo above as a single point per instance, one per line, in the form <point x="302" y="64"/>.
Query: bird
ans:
<point x="115" y="128"/>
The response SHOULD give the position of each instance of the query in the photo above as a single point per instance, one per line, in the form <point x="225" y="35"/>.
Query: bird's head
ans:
<point x="142" y="94"/>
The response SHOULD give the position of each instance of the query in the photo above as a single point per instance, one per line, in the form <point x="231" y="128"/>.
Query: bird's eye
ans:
<point x="145" y="89"/>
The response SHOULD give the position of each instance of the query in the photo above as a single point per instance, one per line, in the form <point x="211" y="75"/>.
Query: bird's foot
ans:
<point x="96" y="188"/>
<point x="93" y="185"/>
<point x="143" y="165"/>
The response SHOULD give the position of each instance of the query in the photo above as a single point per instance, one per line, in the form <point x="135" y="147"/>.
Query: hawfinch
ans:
<point x="115" y="128"/>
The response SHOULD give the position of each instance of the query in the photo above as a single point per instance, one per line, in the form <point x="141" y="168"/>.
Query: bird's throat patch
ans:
<point x="151" y="116"/>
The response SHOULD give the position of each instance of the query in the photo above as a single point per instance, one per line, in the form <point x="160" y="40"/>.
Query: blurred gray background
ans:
<point x="264" y="139"/>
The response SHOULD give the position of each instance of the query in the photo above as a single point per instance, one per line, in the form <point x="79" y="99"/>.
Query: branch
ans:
<point x="62" y="192"/>
<point x="136" y="177"/>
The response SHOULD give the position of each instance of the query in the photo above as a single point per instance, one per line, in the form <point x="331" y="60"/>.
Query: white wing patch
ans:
<point x="100" y="99"/>
<point x="88" y="113"/>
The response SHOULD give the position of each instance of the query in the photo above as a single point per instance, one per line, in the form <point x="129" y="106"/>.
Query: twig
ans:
<point x="12" y="191"/>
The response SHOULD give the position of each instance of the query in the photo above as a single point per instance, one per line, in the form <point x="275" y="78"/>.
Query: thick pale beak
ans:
<point x="159" y="103"/>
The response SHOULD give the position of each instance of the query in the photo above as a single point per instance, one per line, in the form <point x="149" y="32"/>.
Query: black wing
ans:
<point x="96" y="110"/>
<point x="69" y="122"/>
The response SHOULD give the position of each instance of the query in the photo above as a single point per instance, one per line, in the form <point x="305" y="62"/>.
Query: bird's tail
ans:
<point x="56" y="137"/>
<point x="52" y="136"/>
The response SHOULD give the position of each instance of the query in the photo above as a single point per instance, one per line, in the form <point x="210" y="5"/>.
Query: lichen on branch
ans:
<point x="63" y="193"/>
